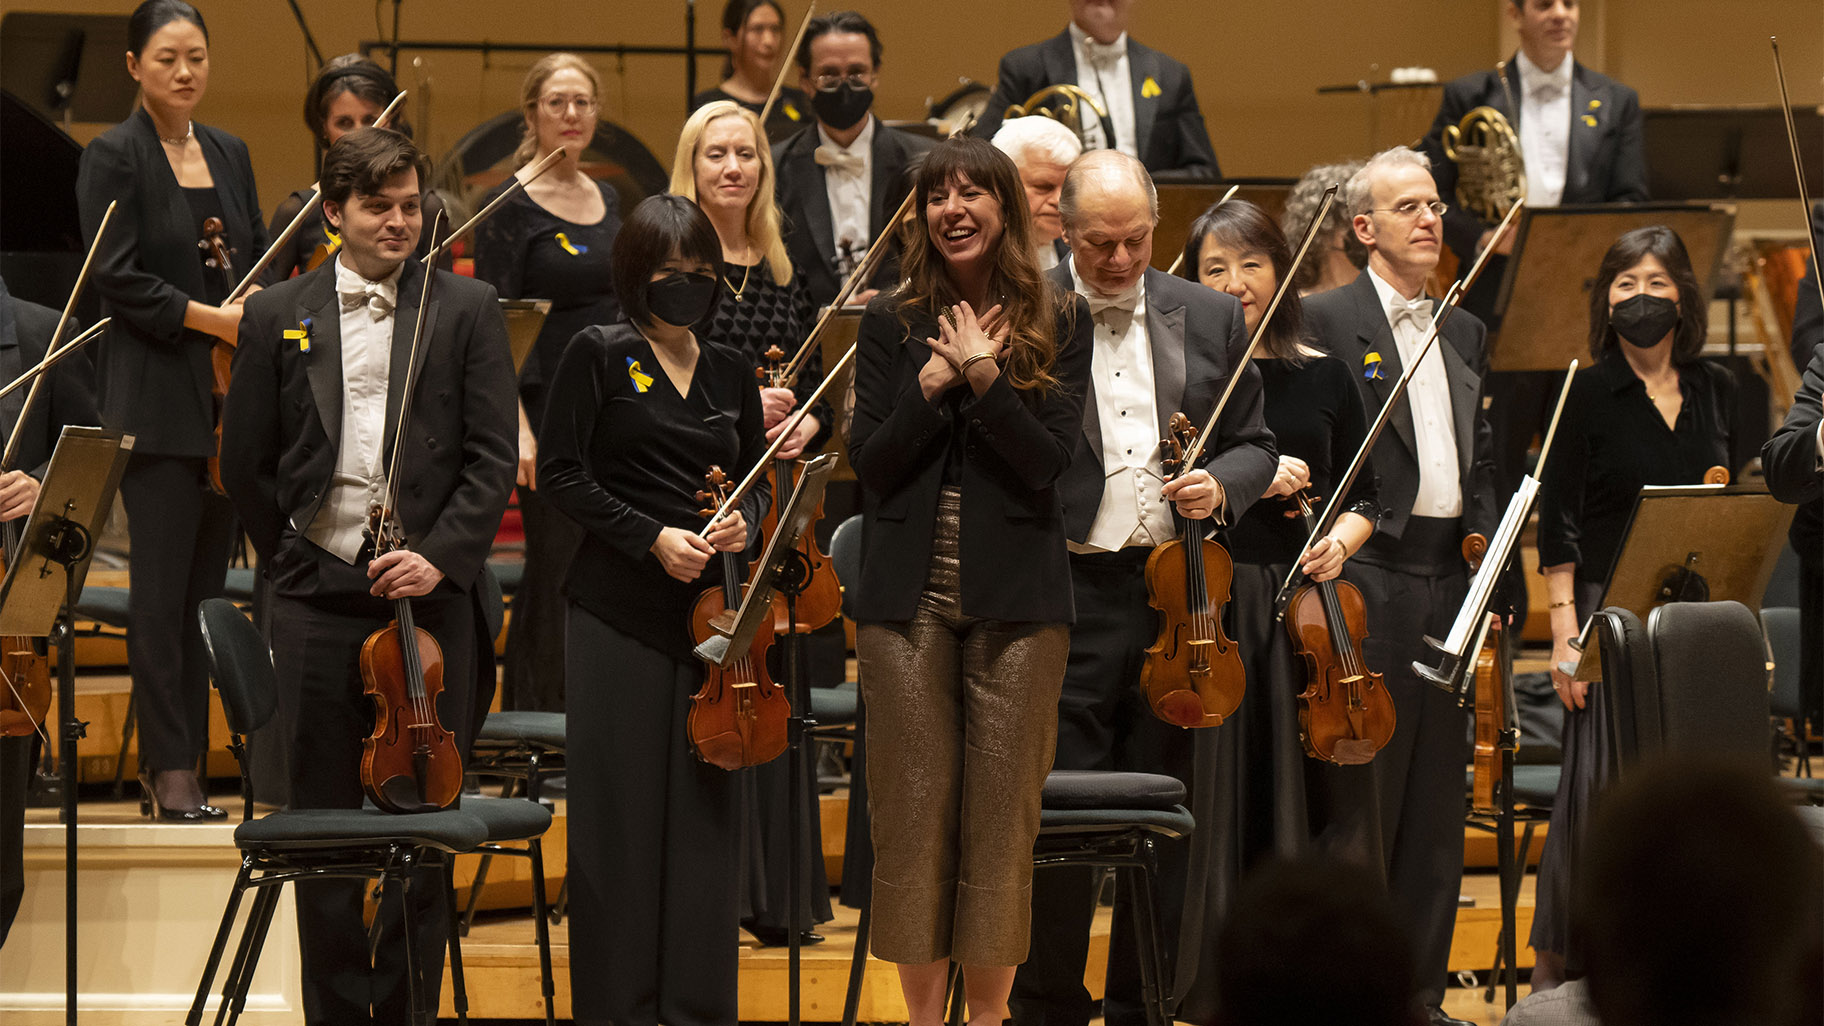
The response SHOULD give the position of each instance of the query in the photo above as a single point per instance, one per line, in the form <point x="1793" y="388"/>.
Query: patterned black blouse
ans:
<point x="755" y="313"/>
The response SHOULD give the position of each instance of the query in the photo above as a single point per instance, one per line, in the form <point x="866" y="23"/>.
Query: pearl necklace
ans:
<point x="189" y="133"/>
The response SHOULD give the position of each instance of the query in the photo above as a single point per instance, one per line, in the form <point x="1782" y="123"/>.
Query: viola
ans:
<point x="221" y="354"/>
<point x="1494" y="707"/>
<point x="1193" y="675"/>
<point x="410" y="762"/>
<point x="821" y="600"/>
<point x="1345" y="714"/>
<point x="738" y="717"/>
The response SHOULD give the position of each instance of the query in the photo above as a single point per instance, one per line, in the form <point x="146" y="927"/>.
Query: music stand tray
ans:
<point x="1729" y="152"/>
<point x="525" y="319"/>
<point x="78" y="491"/>
<point x="838" y="336"/>
<point x="1544" y="301"/>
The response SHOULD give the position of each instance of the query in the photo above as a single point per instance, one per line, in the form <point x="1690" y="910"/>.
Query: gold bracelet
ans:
<point x="963" y="368"/>
<point x="1561" y="605"/>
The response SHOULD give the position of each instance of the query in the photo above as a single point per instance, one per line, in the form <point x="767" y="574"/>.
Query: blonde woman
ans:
<point x="551" y="241"/>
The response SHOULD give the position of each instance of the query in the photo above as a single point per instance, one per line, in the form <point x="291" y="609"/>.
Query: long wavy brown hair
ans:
<point x="1029" y="301"/>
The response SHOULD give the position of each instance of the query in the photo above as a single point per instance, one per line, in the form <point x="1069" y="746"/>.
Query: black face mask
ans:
<point x="680" y="299"/>
<point x="1643" y="320"/>
<point x="841" y="107"/>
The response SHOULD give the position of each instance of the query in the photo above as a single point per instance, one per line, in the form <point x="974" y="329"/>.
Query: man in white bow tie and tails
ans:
<point x="1163" y="345"/>
<point x="1435" y="472"/>
<point x="844" y="176"/>
<point x="310" y="426"/>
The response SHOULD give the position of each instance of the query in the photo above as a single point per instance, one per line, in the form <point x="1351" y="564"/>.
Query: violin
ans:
<point x="25" y="665"/>
<point x="221" y="354"/>
<point x="821" y="600"/>
<point x="1193" y="675"/>
<point x="1494" y="705"/>
<point x="1345" y="714"/>
<point x="410" y="762"/>
<point x="738" y="717"/>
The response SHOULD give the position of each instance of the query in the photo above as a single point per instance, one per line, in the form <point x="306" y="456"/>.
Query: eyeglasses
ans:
<point x="1410" y="209"/>
<point x="828" y="83"/>
<point x="557" y="105"/>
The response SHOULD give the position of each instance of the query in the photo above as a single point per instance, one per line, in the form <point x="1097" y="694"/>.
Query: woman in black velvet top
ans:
<point x="638" y="411"/>
<point x="755" y="33"/>
<point x="1264" y="798"/>
<point x="553" y="240"/>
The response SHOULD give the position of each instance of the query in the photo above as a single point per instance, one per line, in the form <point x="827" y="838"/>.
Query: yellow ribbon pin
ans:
<point x="1149" y="89"/>
<point x="300" y="335"/>
<point x="1595" y="104"/>
<point x="791" y="111"/>
<point x="574" y="250"/>
<point x="1590" y="120"/>
<point x="641" y="380"/>
<point x="1371" y="366"/>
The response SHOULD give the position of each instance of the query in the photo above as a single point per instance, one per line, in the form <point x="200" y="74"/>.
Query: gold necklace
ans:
<point x="744" y="275"/>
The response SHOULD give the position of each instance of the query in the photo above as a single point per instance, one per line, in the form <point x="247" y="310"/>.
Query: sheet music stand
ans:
<point x="525" y="319"/>
<point x="838" y="336"/>
<point x="38" y="599"/>
<point x="1542" y="308"/>
<point x="1729" y="152"/>
<point x="1180" y="205"/>
<point x="44" y="57"/>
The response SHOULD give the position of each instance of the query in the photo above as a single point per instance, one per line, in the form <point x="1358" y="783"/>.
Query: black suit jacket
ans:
<point x="1171" y="135"/>
<point x="68" y="395"/>
<point x="1350" y="323"/>
<point x="1790" y="457"/>
<point x="1807" y="533"/>
<point x="282" y="428"/>
<point x="153" y="376"/>
<point x="1606" y="162"/>
<point x="1017" y="445"/>
<point x="1197" y="336"/>
<point x="804" y="202"/>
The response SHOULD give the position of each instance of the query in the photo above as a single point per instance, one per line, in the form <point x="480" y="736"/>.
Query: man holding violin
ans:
<point x="312" y="418"/>
<point x="1162" y="346"/>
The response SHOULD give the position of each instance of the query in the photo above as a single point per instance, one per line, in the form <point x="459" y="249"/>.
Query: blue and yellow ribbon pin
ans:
<point x="641" y="380"/>
<point x="300" y="335"/>
<point x="1589" y="118"/>
<point x="570" y="247"/>
<point x="791" y="110"/>
<point x="1150" y="89"/>
<point x="1371" y="367"/>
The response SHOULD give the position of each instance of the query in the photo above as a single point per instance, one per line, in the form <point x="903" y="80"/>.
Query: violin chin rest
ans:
<point x="1350" y="751"/>
<point x="402" y="794"/>
<point x="1181" y="708"/>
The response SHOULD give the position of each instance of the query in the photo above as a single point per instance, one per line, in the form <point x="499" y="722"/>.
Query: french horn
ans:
<point x="1063" y="103"/>
<point x="1491" y="173"/>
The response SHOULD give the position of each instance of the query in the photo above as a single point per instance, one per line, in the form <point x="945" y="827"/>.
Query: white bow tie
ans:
<point x="1126" y="302"/>
<point x="1547" y="89"/>
<point x="1416" y="310"/>
<point x="841" y="160"/>
<point x="1103" y="54"/>
<point x="376" y="296"/>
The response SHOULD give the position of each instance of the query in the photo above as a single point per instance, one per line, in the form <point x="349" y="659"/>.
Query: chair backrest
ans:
<point x="240" y="664"/>
<point x="1630" y="679"/>
<point x="1782" y="624"/>
<point x="1712" y="661"/>
<point x="845" y="552"/>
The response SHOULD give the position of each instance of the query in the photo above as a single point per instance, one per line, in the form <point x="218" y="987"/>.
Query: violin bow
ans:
<point x="791" y="58"/>
<point x="316" y="197"/>
<point x="411" y="381"/>
<point x="518" y="186"/>
<point x="1192" y="454"/>
<point x="1334" y="506"/>
<point x="1798" y="169"/>
<point x="1227" y="196"/>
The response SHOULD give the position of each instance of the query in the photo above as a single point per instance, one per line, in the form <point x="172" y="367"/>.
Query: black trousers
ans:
<point x="1419" y="774"/>
<point x="316" y="647"/>
<point x="533" y="677"/>
<point x="1103" y="724"/>
<point x="181" y="534"/>
<point x="653" y="910"/>
<point x="15" y="780"/>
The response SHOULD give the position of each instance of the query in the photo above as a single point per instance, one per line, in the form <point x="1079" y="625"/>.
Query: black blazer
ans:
<point x="153" y="376"/>
<point x="68" y="396"/>
<point x="1171" y="135"/>
<point x="1017" y="445"/>
<point x="1197" y="335"/>
<point x="1350" y="323"/>
<point x="1807" y="532"/>
<point x="804" y="202"/>
<point x="282" y="428"/>
<point x="1790" y="457"/>
<point x="1606" y="162"/>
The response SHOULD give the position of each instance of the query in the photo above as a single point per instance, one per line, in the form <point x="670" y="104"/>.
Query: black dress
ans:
<point x="527" y="252"/>
<point x="1258" y="795"/>
<point x="791" y="113"/>
<point x="295" y="256"/>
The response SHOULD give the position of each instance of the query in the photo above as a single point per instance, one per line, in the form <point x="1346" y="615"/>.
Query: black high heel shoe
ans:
<point x="152" y="808"/>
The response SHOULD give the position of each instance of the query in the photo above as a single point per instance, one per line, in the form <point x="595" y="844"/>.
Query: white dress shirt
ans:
<point x="851" y="192"/>
<point x="1104" y="73"/>
<point x="1428" y="397"/>
<point x="359" y="479"/>
<point x="1545" y="129"/>
<point x="1132" y="512"/>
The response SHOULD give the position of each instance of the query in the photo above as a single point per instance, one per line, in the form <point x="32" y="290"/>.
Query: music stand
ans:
<point x="1181" y="204"/>
<point x="525" y="319"/>
<point x="38" y="599"/>
<point x="837" y="337"/>
<point x="1729" y="152"/>
<point x="44" y="57"/>
<point x="1542" y="308"/>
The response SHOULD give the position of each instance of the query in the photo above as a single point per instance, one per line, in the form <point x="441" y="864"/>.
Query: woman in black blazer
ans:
<point x="963" y="424"/>
<point x="169" y="174"/>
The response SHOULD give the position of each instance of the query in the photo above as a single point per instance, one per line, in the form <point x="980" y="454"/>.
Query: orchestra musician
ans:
<point x="1807" y="531"/>
<point x="349" y="92"/>
<point x="552" y="240"/>
<point x="1649" y="410"/>
<point x="1161" y="345"/>
<point x="1152" y="107"/>
<point x="170" y="175"/>
<point x="1336" y="256"/>
<point x="838" y="185"/>
<point x="1259" y="797"/>
<point x="969" y="389"/>
<point x="723" y="166"/>
<point x="638" y="411"/>
<point x="1042" y="149"/>
<point x="68" y="398"/>
<point x="308" y="437"/>
<point x="1434" y="467"/>
<point x="752" y="30"/>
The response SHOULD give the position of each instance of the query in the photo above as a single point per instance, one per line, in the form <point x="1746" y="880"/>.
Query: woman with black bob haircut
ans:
<point x="171" y="176"/>
<point x="349" y="92"/>
<point x="969" y="388"/>
<point x="1650" y="410"/>
<point x="638" y="411"/>
<point x="1258" y="796"/>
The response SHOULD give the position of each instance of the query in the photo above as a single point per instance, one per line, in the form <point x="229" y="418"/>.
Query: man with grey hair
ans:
<point x="1163" y="345"/>
<point x="1042" y="150"/>
<point x="1436" y="475"/>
